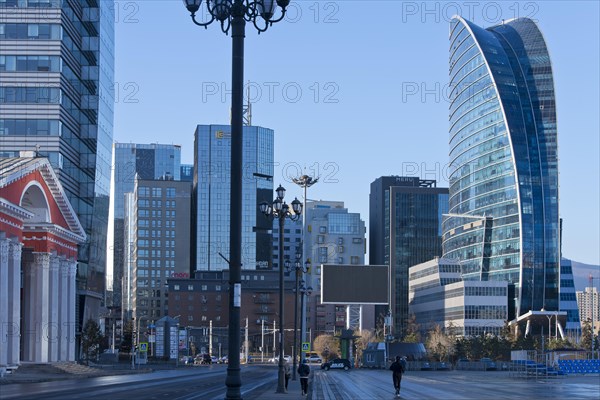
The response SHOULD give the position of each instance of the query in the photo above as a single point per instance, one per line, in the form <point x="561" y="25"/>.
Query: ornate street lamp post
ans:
<point x="304" y="181"/>
<point x="280" y="210"/>
<point x="299" y="270"/>
<point x="234" y="14"/>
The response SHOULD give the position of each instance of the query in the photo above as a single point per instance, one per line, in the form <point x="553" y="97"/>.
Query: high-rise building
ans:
<point x="405" y="229"/>
<point x="56" y="99"/>
<point x="160" y="246"/>
<point x="146" y="161"/>
<point x="588" y="301"/>
<point x="292" y="242"/>
<point x="211" y="193"/>
<point x="503" y="221"/>
<point x="333" y="236"/>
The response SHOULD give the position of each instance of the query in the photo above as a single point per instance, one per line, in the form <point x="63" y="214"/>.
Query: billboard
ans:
<point x="354" y="284"/>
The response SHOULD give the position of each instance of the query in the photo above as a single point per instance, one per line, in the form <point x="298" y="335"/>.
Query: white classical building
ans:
<point x="39" y="233"/>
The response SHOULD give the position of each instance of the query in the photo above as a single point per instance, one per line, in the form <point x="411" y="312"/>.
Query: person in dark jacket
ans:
<point x="304" y="372"/>
<point x="286" y="370"/>
<point x="397" y="369"/>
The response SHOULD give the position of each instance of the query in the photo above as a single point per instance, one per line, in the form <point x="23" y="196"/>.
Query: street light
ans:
<point x="280" y="210"/>
<point x="234" y="14"/>
<point x="299" y="269"/>
<point x="304" y="291"/>
<point x="304" y="181"/>
<point x="594" y="297"/>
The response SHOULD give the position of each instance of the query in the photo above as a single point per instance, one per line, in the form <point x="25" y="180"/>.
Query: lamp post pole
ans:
<point x="304" y="291"/>
<point x="594" y="301"/>
<point x="304" y="181"/>
<point x="234" y="14"/>
<point x="280" y="210"/>
<point x="299" y="270"/>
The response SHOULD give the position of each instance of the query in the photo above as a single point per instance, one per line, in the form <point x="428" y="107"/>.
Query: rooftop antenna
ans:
<point x="247" y="109"/>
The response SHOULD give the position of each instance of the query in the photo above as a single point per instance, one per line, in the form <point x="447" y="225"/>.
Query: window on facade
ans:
<point x="143" y="191"/>
<point x="170" y="192"/>
<point x="190" y="287"/>
<point x="156" y="192"/>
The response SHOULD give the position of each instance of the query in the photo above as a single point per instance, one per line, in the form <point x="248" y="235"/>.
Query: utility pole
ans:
<point x="246" y="341"/>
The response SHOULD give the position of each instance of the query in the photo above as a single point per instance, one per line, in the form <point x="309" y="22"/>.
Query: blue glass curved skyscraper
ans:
<point x="503" y="221"/>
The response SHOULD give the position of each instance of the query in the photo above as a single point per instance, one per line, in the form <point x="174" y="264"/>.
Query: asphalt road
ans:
<point x="259" y="382"/>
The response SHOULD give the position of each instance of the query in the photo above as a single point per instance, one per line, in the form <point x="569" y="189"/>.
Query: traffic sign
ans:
<point x="305" y="346"/>
<point x="143" y="347"/>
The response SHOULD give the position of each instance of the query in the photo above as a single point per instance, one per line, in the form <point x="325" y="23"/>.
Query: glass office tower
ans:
<point x="503" y="221"/>
<point x="405" y="229"/>
<point x="211" y="194"/>
<point x="56" y="99"/>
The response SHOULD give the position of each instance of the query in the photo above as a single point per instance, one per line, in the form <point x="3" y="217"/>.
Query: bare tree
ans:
<point x="439" y="344"/>
<point x="327" y="346"/>
<point x="365" y="337"/>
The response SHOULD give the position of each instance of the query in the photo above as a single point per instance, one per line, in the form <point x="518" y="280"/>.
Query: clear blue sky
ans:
<point x="354" y="90"/>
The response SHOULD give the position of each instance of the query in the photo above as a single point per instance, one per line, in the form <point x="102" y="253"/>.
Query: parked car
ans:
<point x="214" y="359"/>
<point x="313" y="358"/>
<point x="275" y="360"/>
<point x="223" y="360"/>
<point x="488" y="364"/>
<point x="337" y="363"/>
<point x="425" y="366"/>
<point x="187" y="360"/>
<point x="442" y="366"/>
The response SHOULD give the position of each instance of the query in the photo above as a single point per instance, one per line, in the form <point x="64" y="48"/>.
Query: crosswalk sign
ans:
<point x="143" y="347"/>
<point x="305" y="346"/>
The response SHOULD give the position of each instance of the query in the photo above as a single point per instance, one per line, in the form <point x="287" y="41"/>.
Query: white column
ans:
<point x="29" y="318"/>
<point x="4" y="323"/>
<point x="63" y="309"/>
<point x="42" y="287"/>
<point x="52" y="330"/>
<point x="14" y="307"/>
<point x="71" y="311"/>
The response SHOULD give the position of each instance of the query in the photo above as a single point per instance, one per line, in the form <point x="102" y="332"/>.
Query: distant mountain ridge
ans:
<point x="581" y="275"/>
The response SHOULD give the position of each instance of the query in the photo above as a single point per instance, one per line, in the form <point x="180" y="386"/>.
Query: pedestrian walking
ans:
<point x="397" y="369"/>
<point x="304" y="372"/>
<point x="286" y="371"/>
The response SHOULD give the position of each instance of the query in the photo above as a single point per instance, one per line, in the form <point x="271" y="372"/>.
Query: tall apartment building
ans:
<point x="292" y="243"/>
<point x="333" y="236"/>
<point x="503" y="219"/>
<point x="588" y="301"/>
<point x="159" y="244"/>
<point x="56" y="99"/>
<point x="405" y="229"/>
<point x="146" y="161"/>
<point x="211" y="193"/>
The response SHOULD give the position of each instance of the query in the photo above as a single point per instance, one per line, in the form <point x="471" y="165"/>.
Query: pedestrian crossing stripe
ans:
<point x="305" y="346"/>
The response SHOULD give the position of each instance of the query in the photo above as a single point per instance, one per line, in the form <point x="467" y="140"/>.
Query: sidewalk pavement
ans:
<point x="294" y="391"/>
